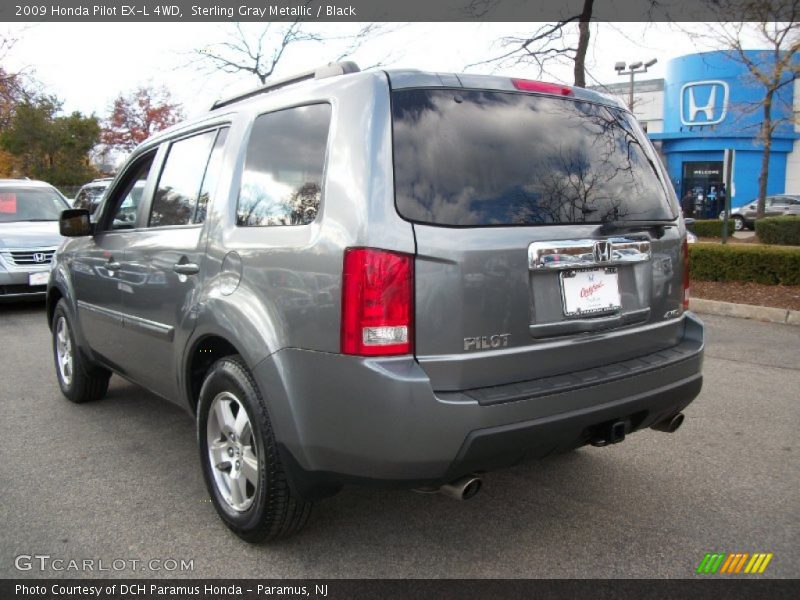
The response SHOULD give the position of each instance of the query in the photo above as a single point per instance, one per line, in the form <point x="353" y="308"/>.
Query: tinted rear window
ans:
<point x="481" y="158"/>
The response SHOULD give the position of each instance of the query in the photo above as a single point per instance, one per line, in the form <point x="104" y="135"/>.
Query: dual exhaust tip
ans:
<point x="467" y="487"/>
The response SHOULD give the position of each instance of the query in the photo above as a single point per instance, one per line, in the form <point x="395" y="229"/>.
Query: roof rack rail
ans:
<point x="330" y="70"/>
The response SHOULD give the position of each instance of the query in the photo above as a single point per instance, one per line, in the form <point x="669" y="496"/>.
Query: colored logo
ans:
<point x="737" y="563"/>
<point x="704" y="102"/>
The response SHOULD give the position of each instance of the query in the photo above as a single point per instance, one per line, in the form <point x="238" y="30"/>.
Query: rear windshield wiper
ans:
<point x="658" y="226"/>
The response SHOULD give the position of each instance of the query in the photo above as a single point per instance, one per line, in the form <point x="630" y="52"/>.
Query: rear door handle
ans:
<point x="186" y="268"/>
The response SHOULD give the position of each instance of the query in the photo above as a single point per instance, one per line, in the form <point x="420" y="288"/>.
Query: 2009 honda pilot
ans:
<point x="396" y="278"/>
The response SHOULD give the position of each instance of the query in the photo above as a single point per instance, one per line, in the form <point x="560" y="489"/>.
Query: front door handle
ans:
<point x="112" y="265"/>
<point x="186" y="268"/>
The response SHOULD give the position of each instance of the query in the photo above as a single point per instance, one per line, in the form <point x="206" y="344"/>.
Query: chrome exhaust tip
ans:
<point x="462" y="489"/>
<point x="670" y="424"/>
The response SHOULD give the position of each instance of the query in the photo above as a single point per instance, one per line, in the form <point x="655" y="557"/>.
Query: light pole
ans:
<point x="633" y="69"/>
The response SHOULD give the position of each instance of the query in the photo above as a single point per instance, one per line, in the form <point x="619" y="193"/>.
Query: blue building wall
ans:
<point x="711" y="103"/>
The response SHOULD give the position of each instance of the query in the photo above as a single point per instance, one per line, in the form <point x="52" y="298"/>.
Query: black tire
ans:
<point x="739" y="224"/>
<point x="274" y="511"/>
<point x="83" y="381"/>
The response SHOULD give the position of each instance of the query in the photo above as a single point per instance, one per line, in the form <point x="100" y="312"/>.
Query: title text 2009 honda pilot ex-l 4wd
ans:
<point x="395" y="278"/>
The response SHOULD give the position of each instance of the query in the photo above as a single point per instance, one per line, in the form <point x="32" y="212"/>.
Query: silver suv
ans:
<point x="391" y="278"/>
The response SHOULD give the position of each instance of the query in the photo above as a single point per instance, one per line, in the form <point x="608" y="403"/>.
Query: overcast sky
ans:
<point x="88" y="64"/>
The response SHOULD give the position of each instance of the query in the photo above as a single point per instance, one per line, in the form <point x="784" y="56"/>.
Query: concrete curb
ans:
<point x="745" y="311"/>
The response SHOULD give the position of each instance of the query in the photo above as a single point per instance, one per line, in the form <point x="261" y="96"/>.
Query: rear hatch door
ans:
<point x="547" y="239"/>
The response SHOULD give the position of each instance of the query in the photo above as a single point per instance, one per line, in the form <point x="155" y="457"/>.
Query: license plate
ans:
<point x="38" y="278"/>
<point x="590" y="291"/>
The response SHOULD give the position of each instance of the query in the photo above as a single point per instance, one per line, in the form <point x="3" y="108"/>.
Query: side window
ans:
<point x="125" y="203"/>
<point x="211" y="177"/>
<point x="178" y="188"/>
<point x="282" y="179"/>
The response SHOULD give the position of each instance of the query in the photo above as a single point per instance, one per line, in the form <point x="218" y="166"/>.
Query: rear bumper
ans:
<point x="497" y="447"/>
<point x="341" y="419"/>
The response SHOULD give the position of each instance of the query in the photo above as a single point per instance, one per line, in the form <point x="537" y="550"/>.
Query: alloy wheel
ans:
<point x="64" y="351"/>
<point x="232" y="454"/>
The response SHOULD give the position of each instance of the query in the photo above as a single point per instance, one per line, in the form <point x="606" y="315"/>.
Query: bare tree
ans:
<point x="775" y="24"/>
<point x="259" y="53"/>
<point x="550" y="43"/>
<point x="15" y="86"/>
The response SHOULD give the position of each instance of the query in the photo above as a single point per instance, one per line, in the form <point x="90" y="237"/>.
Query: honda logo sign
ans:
<point x="704" y="102"/>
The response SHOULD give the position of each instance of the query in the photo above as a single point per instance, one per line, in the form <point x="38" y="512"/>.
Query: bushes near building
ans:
<point x="770" y="265"/>
<point x="782" y="231"/>
<point x="710" y="228"/>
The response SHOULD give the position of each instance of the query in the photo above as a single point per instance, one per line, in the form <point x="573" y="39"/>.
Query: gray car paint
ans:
<point x="372" y="418"/>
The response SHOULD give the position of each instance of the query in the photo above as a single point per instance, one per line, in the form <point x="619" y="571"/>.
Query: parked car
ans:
<point x="774" y="206"/>
<point x="29" y="213"/>
<point x="389" y="278"/>
<point x="91" y="194"/>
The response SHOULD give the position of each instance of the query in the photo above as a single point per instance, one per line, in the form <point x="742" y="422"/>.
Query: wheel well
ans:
<point x="53" y="296"/>
<point x="206" y="352"/>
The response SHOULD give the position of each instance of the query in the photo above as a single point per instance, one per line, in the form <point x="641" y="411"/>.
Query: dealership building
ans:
<point x="708" y="103"/>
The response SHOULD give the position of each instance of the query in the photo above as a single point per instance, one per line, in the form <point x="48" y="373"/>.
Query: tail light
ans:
<point x="528" y="85"/>
<point x="685" y="253"/>
<point x="377" y="302"/>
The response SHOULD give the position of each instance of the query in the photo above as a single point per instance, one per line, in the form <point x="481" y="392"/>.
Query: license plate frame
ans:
<point x="590" y="292"/>
<point x="38" y="278"/>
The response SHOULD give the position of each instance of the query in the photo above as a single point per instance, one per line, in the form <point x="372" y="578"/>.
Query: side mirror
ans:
<point x="75" y="222"/>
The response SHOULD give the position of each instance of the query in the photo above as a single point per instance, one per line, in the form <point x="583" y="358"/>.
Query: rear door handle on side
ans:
<point x="186" y="268"/>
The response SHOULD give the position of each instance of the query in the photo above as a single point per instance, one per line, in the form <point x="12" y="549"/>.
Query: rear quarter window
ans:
<point x="282" y="178"/>
<point x="482" y="158"/>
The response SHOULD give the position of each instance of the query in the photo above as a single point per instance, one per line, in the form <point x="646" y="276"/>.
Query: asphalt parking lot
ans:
<point x="119" y="479"/>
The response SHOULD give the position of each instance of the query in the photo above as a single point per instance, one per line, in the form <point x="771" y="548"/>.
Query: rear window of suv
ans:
<point x="482" y="158"/>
